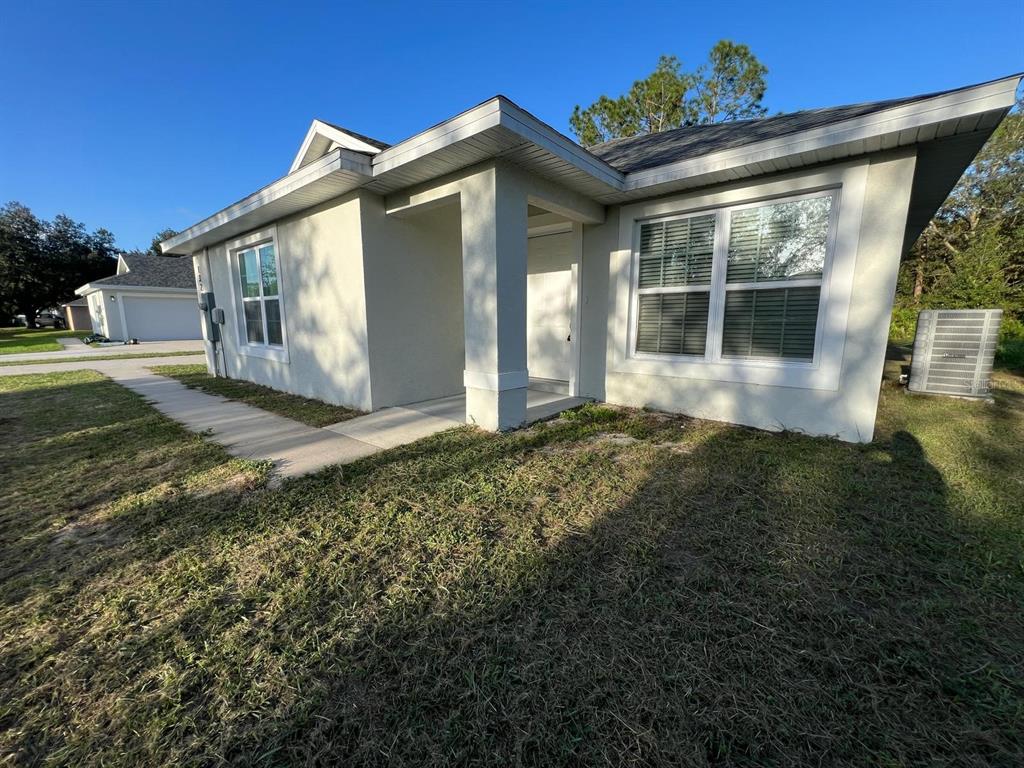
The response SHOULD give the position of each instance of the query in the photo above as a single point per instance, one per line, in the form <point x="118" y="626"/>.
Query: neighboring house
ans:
<point x="151" y="298"/>
<point x="77" y="315"/>
<point x="741" y="271"/>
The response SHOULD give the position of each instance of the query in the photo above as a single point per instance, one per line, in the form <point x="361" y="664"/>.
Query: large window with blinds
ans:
<point x="742" y="282"/>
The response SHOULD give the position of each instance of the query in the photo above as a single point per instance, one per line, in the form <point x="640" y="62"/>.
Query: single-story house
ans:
<point x="76" y="314"/>
<point x="150" y="298"/>
<point x="740" y="271"/>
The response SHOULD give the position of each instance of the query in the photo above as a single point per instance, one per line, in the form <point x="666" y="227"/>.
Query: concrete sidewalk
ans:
<point x="245" y="431"/>
<point x="73" y="347"/>
<point x="294" y="448"/>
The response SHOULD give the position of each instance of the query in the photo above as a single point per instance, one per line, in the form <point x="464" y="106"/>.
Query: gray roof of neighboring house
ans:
<point x="638" y="153"/>
<point x="153" y="272"/>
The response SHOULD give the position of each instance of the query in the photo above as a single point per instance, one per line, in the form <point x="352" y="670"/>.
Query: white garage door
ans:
<point x="153" y="318"/>
<point x="549" y="307"/>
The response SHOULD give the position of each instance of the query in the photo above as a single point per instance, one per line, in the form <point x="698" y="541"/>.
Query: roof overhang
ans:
<point x="977" y="110"/>
<point x="499" y="129"/>
<point x="88" y="288"/>
<point x="336" y="173"/>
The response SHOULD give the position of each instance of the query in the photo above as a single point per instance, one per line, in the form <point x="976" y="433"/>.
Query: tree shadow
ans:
<point x="755" y="599"/>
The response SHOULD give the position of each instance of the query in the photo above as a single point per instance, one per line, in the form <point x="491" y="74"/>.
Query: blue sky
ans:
<point x="142" y="115"/>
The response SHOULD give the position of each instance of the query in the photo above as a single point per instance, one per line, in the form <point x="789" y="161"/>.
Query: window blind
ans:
<point x="773" y="323"/>
<point x="677" y="253"/>
<point x="673" y="323"/>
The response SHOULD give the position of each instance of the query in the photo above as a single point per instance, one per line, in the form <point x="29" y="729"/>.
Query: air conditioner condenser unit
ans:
<point x="954" y="350"/>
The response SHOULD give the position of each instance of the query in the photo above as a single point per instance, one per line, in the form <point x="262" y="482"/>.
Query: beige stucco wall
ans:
<point x="375" y="313"/>
<point x="413" y="277"/>
<point x="321" y="276"/>
<point x="847" y="411"/>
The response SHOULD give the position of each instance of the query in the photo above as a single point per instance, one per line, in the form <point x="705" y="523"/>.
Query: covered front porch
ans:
<point x="521" y="242"/>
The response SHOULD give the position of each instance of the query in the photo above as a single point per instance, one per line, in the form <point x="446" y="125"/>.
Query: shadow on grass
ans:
<point x="712" y="617"/>
<point x="615" y="587"/>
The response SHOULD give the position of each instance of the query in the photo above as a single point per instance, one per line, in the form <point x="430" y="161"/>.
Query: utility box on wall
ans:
<point x="954" y="350"/>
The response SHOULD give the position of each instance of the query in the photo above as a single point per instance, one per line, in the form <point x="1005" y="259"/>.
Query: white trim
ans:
<point x="330" y="134"/>
<point x="576" y="328"/>
<point x="265" y="350"/>
<point x="495" y="382"/>
<point x="124" y="319"/>
<point x="88" y="288"/>
<point x="337" y="161"/>
<point x="823" y="372"/>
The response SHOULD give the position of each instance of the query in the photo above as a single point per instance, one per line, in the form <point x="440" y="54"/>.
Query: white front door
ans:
<point x="549" y="306"/>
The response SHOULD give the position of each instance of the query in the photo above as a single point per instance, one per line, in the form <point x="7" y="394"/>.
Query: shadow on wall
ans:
<point x="332" y="333"/>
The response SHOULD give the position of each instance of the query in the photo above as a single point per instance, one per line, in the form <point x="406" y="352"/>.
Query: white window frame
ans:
<point x="636" y="291"/>
<point x="846" y="182"/>
<point x="251" y="241"/>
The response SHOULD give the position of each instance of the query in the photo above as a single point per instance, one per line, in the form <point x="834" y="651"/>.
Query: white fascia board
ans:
<point x="462" y="126"/>
<point x="533" y="130"/>
<point x="496" y="112"/>
<point x="337" y="160"/>
<point x="329" y="133"/>
<point x="998" y="95"/>
<point x="119" y="288"/>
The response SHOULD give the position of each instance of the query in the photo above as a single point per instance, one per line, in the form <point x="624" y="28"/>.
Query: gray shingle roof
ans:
<point x="154" y="272"/>
<point x="362" y="137"/>
<point x="638" y="153"/>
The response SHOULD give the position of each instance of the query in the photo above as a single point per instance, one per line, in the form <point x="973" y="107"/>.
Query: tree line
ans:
<point x="43" y="262"/>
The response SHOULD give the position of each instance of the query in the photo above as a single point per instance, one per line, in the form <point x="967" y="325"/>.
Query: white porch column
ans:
<point x="494" y="298"/>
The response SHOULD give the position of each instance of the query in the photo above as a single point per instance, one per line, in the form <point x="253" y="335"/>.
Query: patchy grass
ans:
<point x="89" y="358"/>
<point x="613" y="587"/>
<point x="315" y="413"/>
<point x="16" y="341"/>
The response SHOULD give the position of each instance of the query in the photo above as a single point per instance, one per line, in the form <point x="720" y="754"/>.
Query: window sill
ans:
<point x="278" y="354"/>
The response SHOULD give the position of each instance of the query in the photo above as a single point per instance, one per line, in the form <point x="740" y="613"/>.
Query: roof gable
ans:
<point x="323" y="137"/>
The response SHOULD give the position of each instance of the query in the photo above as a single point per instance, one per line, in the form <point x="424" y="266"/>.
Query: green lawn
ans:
<point x="88" y="358"/>
<point x="615" y="587"/>
<point x="315" y="413"/>
<point x="14" y="341"/>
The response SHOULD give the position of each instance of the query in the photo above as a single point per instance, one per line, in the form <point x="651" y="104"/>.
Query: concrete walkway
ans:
<point x="72" y="347"/>
<point x="294" y="448"/>
<point x="245" y="431"/>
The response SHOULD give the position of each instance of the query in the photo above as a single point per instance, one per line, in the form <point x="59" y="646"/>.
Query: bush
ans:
<point x="903" y="325"/>
<point x="1010" y="352"/>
